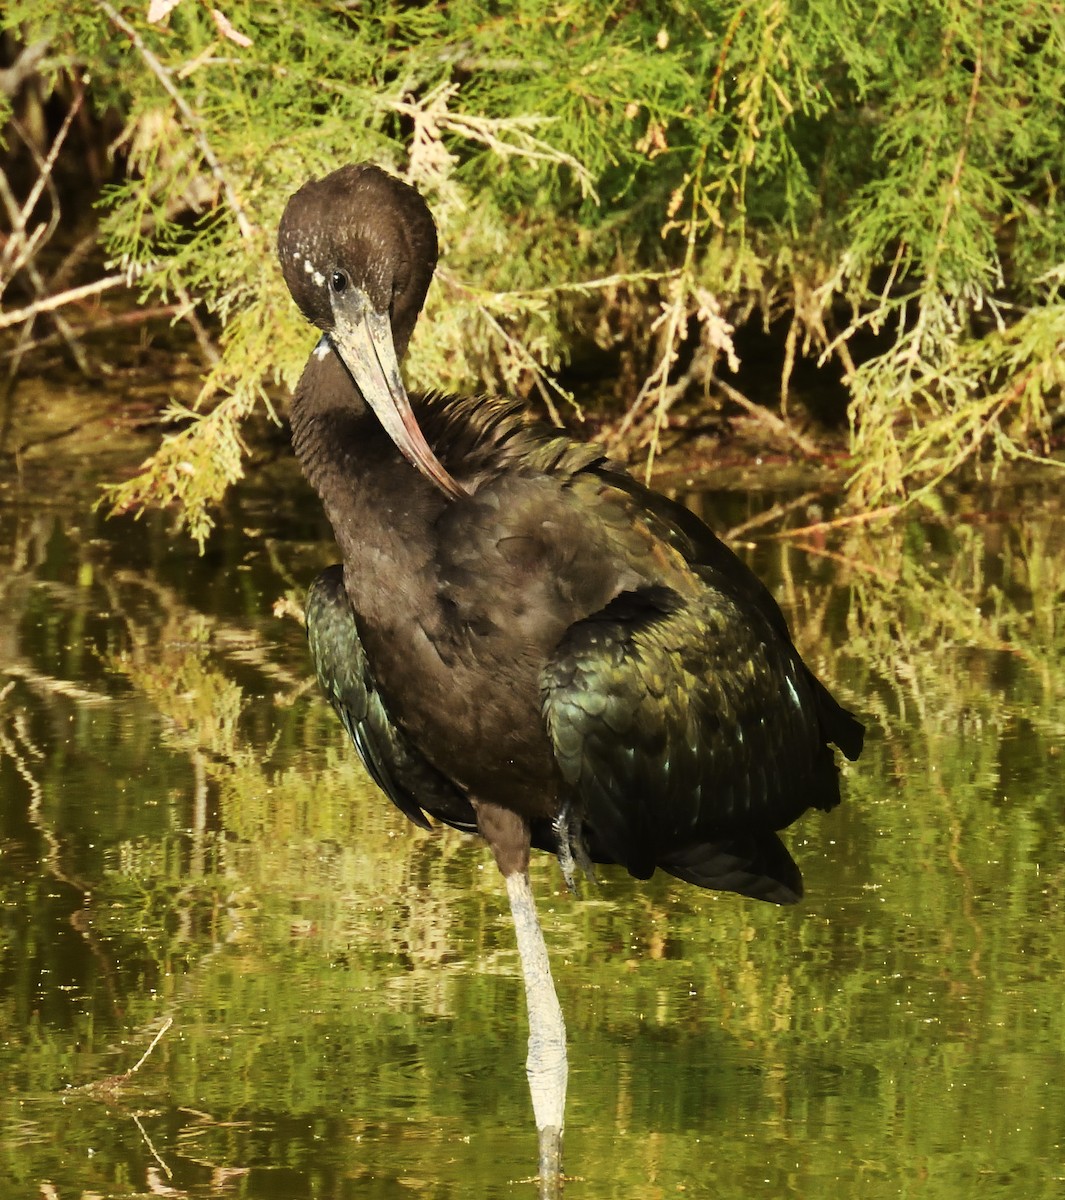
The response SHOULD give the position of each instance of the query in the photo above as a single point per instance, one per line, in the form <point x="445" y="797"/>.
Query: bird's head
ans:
<point x="357" y="250"/>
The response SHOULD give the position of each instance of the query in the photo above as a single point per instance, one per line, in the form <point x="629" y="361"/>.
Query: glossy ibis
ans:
<point x="523" y="641"/>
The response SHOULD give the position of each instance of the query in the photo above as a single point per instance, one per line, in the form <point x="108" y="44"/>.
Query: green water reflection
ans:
<point x="185" y="838"/>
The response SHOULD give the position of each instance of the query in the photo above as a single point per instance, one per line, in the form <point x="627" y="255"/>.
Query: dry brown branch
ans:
<point x="110" y="320"/>
<point x="20" y="219"/>
<point x="29" y="59"/>
<point x="657" y="393"/>
<point x="20" y="251"/>
<point x="722" y="58"/>
<point x="541" y="379"/>
<point x="507" y="137"/>
<point x="20" y="247"/>
<point x="50" y="303"/>
<point x="187" y="313"/>
<point x="770" y="420"/>
<point x="959" y="162"/>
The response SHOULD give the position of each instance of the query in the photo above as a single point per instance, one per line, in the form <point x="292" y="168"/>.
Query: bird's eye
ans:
<point x="339" y="282"/>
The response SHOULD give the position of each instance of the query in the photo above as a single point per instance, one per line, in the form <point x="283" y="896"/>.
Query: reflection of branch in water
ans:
<point x="202" y="1123"/>
<point x="922" y="596"/>
<point x="847" y="560"/>
<point x="154" y="1153"/>
<point x="968" y="888"/>
<point x="151" y="1046"/>
<point x="20" y="748"/>
<point x="53" y="685"/>
<point x="876" y="514"/>
<point x="157" y="1187"/>
<point x="27" y="553"/>
<point x="171" y="658"/>
<point x="773" y="513"/>
<point x="235" y="642"/>
<point x="9" y="747"/>
<point x="198" y="830"/>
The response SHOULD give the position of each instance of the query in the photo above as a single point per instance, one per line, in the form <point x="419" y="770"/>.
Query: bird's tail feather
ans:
<point x="758" y="866"/>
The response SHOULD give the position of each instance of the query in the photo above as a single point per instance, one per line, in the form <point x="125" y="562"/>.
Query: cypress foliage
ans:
<point x="638" y="176"/>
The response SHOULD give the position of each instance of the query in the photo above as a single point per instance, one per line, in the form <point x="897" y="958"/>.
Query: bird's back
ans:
<point x="597" y="646"/>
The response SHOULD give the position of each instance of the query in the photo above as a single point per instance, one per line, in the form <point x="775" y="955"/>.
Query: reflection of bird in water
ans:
<point x="523" y="641"/>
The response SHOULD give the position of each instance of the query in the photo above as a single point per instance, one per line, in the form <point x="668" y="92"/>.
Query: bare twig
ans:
<point x="770" y="420"/>
<point x="726" y="43"/>
<point x="20" y="251"/>
<point x="50" y="303"/>
<point x="110" y="321"/>
<point x="20" y="248"/>
<point x="846" y="560"/>
<point x="187" y="313"/>
<point x="75" y="257"/>
<point x="953" y="191"/>
<point x="657" y="384"/>
<point x="582" y="287"/>
<point x="542" y="380"/>
<point x="506" y="137"/>
<point x="151" y="1046"/>
<point x="29" y="58"/>
<point x="44" y="179"/>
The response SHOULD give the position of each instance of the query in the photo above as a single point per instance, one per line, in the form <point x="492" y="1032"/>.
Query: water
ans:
<point x="190" y="856"/>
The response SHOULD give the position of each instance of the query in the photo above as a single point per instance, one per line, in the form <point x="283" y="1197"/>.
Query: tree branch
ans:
<point x="186" y="111"/>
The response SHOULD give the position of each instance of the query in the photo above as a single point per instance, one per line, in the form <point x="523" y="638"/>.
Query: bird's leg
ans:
<point x="546" y="1066"/>
<point x="508" y="836"/>
<point x="580" y="854"/>
<point x="571" y="850"/>
<point x="564" y="850"/>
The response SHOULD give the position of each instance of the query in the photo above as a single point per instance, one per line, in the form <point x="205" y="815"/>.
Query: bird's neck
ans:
<point x="328" y="413"/>
<point x="334" y="435"/>
<point x="370" y="493"/>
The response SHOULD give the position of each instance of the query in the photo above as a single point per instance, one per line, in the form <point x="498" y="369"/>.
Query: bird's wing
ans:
<point x="689" y="733"/>
<point x="721" y="568"/>
<point x="408" y="779"/>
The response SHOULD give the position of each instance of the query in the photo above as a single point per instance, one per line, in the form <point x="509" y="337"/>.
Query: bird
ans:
<point x="522" y="640"/>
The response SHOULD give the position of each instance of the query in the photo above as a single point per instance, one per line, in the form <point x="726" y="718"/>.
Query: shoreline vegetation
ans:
<point x="826" y="233"/>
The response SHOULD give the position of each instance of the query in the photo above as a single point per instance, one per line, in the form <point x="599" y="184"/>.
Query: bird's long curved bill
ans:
<point x="363" y="339"/>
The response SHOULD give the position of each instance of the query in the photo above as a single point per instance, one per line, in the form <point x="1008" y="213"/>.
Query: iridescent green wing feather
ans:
<point x="689" y="734"/>
<point x="408" y="779"/>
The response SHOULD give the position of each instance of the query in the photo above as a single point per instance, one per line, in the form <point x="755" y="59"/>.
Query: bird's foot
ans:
<point x="571" y="850"/>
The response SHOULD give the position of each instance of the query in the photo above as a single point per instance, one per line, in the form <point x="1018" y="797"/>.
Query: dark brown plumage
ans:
<point x="523" y="639"/>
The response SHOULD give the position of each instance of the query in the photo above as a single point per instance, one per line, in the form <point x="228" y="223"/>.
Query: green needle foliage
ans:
<point x="885" y="179"/>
